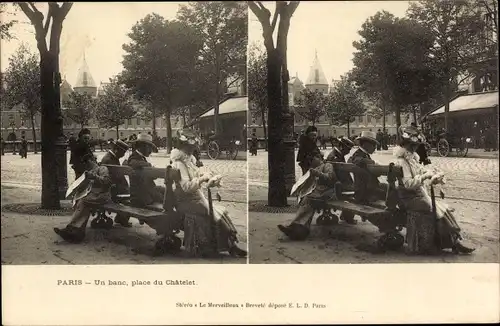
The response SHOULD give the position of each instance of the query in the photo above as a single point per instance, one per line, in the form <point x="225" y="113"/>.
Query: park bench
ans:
<point x="388" y="215"/>
<point x="161" y="217"/>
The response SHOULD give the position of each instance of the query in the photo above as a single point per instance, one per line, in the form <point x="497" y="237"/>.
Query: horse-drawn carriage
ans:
<point x="215" y="145"/>
<point x="445" y="142"/>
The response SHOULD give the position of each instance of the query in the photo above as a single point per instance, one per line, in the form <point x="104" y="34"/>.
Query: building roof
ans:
<point x="231" y="105"/>
<point x="484" y="100"/>
<point x="316" y="74"/>
<point x="84" y="78"/>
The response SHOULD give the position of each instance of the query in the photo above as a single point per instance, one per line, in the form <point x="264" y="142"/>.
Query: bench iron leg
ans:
<point x="102" y="221"/>
<point x="327" y="218"/>
<point x="168" y="243"/>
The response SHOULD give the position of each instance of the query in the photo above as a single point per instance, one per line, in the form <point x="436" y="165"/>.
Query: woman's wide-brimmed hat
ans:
<point x="346" y="142"/>
<point x="146" y="139"/>
<point x="187" y="136"/>
<point x="410" y="134"/>
<point x="369" y="136"/>
<point x="121" y="144"/>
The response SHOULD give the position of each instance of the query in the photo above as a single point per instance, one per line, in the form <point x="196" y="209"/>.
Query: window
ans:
<point x="129" y="122"/>
<point x="360" y="119"/>
<point x="85" y="79"/>
<point x="138" y="121"/>
<point x="316" y="76"/>
<point x="369" y="119"/>
<point x="22" y="122"/>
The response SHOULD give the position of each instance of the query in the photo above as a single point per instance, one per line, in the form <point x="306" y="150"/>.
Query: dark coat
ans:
<point x="307" y="150"/>
<point x="365" y="185"/>
<point x="120" y="183"/>
<point x="337" y="157"/>
<point x="143" y="191"/>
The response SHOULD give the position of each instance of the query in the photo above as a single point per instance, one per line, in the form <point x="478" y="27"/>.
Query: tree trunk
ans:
<point x="33" y="130"/>
<point x="217" y="94"/>
<point x="415" y="115"/>
<point x="384" y="116"/>
<point x="447" y="97"/>
<point x="348" y="130"/>
<point x="264" y="127"/>
<point x="117" y="132"/>
<point x="153" y="111"/>
<point x="277" y="195"/>
<point x="50" y="193"/>
<point x="169" y="131"/>
<point x="398" y="121"/>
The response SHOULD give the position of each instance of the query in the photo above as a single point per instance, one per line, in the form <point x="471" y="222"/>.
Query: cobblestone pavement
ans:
<point x="29" y="239"/>
<point x="472" y="189"/>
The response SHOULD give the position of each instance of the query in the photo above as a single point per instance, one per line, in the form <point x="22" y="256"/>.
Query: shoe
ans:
<point x="459" y="248"/>
<point x="285" y="229"/>
<point x="70" y="234"/>
<point x="235" y="251"/>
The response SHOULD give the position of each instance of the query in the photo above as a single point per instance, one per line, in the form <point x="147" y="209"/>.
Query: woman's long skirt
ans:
<point x="426" y="235"/>
<point x="203" y="236"/>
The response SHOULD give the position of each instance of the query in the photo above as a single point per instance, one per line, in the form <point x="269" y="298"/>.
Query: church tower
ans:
<point x="317" y="79"/>
<point x="84" y="81"/>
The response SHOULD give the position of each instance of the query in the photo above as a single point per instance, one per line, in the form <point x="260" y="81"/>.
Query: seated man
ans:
<point x="337" y="155"/>
<point x="367" y="188"/>
<point x="143" y="191"/>
<point x="120" y="184"/>
<point x="97" y="192"/>
<point x="322" y="189"/>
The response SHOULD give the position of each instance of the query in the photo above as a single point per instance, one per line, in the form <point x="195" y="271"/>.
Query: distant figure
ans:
<point x="71" y="141"/>
<point x="254" y="144"/>
<point x="2" y="146"/>
<point x="24" y="148"/>
<point x="380" y="136"/>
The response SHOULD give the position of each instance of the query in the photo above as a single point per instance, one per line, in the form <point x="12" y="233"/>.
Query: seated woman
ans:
<point x="424" y="234"/>
<point x="204" y="235"/>
<point x="97" y="192"/>
<point x="323" y="189"/>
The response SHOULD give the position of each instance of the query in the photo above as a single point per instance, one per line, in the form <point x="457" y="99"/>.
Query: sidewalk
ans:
<point x="472" y="153"/>
<point x="347" y="244"/>
<point x="30" y="239"/>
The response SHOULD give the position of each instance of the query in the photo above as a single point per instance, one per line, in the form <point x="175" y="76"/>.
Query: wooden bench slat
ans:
<point x="361" y="210"/>
<point x="156" y="173"/>
<point x="128" y="210"/>
<point x="376" y="170"/>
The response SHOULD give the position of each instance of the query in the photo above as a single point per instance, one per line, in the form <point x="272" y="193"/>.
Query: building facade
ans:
<point x="317" y="81"/>
<point x="14" y="125"/>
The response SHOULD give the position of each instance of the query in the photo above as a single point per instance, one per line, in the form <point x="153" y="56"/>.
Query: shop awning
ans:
<point x="231" y="105"/>
<point x="474" y="101"/>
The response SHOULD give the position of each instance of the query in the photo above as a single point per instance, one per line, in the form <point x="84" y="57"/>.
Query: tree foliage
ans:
<point x="257" y="81"/>
<point x="22" y="85"/>
<point x="114" y="106"/>
<point x="223" y="29"/>
<point x="79" y="108"/>
<point x="5" y="26"/>
<point x="22" y="81"/>
<point x="159" y="64"/>
<point x="345" y="103"/>
<point x="454" y="27"/>
<point x="311" y="105"/>
<point x="392" y="64"/>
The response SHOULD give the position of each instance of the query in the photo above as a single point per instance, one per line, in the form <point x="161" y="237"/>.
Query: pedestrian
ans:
<point x="380" y="137"/>
<point x="80" y="149"/>
<point x="308" y="148"/>
<point x="2" y="146"/>
<point x="24" y="148"/>
<point x="254" y="144"/>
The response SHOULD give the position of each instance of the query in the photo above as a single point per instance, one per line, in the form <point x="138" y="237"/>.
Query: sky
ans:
<point x="99" y="29"/>
<point x="328" y="28"/>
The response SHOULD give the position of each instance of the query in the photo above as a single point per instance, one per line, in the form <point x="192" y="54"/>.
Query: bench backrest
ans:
<point x="168" y="174"/>
<point x="375" y="170"/>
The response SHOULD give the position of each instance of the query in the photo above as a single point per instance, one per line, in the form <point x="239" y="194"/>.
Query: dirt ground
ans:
<point x="30" y="239"/>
